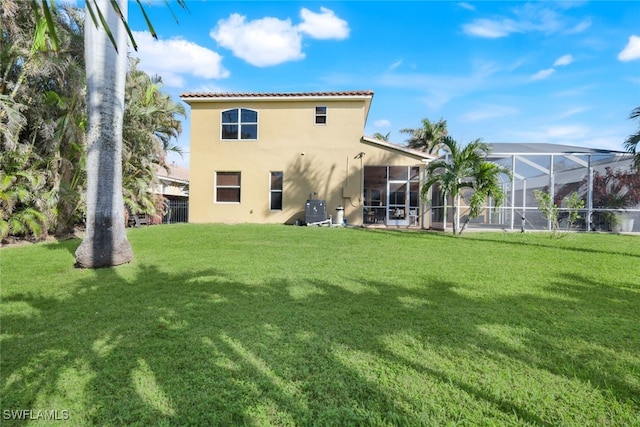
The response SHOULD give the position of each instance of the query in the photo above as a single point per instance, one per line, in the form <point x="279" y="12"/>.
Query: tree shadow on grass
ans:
<point x="203" y="348"/>
<point x="190" y="349"/>
<point x="627" y="241"/>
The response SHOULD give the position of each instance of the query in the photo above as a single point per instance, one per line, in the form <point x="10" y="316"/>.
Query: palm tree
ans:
<point x="382" y="137"/>
<point x="457" y="170"/>
<point x="632" y="144"/>
<point x="22" y="196"/>
<point x="429" y="137"/>
<point x="105" y="242"/>
<point x="67" y="105"/>
<point x="150" y="124"/>
<point x="32" y="148"/>
<point x="485" y="183"/>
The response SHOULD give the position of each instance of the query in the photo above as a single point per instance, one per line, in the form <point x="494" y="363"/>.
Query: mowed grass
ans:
<point x="281" y="325"/>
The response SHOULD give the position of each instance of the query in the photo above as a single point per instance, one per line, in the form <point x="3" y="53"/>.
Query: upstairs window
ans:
<point x="321" y="115"/>
<point x="239" y="123"/>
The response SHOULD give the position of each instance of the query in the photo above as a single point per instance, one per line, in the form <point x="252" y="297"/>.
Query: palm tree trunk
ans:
<point x="464" y="224"/>
<point x="105" y="243"/>
<point x="457" y="216"/>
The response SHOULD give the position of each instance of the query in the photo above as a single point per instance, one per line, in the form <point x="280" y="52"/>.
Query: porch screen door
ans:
<point x="398" y="207"/>
<point x="398" y="191"/>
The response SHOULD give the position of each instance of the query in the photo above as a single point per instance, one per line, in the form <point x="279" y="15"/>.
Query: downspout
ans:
<point x="552" y="191"/>
<point x="423" y="214"/>
<point x="361" y="181"/>
<point x="524" y="203"/>
<point x="589" y="195"/>
<point x="513" y="190"/>
<point x="456" y="225"/>
<point x="445" y="201"/>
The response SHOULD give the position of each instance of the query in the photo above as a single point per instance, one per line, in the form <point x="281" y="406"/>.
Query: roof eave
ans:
<point x="406" y="150"/>
<point x="195" y="98"/>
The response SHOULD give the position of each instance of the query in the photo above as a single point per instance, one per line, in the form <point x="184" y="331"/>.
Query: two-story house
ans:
<point x="259" y="157"/>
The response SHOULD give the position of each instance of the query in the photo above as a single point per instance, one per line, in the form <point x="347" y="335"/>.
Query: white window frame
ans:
<point x="239" y="124"/>
<point x="216" y="187"/>
<point x="271" y="191"/>
<point x="320" y="114"/>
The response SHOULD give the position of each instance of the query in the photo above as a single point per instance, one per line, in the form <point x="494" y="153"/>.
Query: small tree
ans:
<point x="616" y="189"/>
<point x="548" y="209"/>
<point x="573" y="203"/>
<point x="551" y="212"/>
<point x="485" y="184"/>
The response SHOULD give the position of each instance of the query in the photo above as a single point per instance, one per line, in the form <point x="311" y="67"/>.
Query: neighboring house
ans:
<point x="174" y="187"/>
<point x="174" y="181"/>
<point x="259" y="157"/>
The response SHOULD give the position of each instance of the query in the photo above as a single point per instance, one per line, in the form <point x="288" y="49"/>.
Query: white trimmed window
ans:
<point x="227" y="187"/>
<point x="239" y="123"/>
<point x="321" y="115"/>
<point x="275" y="191"/>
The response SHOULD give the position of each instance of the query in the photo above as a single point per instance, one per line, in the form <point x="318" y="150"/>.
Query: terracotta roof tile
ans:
<point x="274" y="94"/>
<point x="173" y="171"/>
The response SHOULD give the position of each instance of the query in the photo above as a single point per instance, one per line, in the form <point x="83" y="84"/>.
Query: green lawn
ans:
<point x="283" y="325"/>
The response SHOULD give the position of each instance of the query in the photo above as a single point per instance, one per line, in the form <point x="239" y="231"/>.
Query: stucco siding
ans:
<point x="316" y="159"/>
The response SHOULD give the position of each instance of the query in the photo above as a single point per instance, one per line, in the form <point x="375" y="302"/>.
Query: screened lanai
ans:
<point x="603" y="179"/>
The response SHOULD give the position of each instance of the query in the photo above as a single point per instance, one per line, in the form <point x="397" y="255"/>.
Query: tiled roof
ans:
<point x="173" y="171"/>
<point x="403" y="148"/>
<point x="356" y="93"/>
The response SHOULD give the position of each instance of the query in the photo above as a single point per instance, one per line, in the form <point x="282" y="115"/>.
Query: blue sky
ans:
<point x="565" y="72"/>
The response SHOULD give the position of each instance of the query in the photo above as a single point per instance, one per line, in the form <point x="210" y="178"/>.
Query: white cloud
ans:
<point x="543" y="74"/>
<point x="631" y="51"/>
<point x="272" y="41"/>
<point x="575" y="91"/>
<point x="466" y="5"/>
<point x="531" y="17"/>
<point x="566" y="131"/>
<point x="186" y="58"/>
<point x="575" y="134"/>
<point x="487" y="112"/>
<point x="395" y="65"/>
<point x="440" y="89"/>
<point x="580" y="27"/>
<point x="323" y="25"/>
<point x="491" y="29"/>
<point x="263" y="42"/>
<point x="209" y="88"/>
<point x="382" y="123"/>
<point x="573" y="112"/>
<point x="563" y="60"/>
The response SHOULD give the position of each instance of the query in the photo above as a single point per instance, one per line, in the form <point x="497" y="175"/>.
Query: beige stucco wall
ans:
<point x="314" y="158"/>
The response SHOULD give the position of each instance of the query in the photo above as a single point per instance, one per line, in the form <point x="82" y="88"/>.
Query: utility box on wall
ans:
<point x="315" y="211"/>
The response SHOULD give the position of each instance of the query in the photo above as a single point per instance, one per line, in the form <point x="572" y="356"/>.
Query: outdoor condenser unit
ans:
<point x="315" y="211"/>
